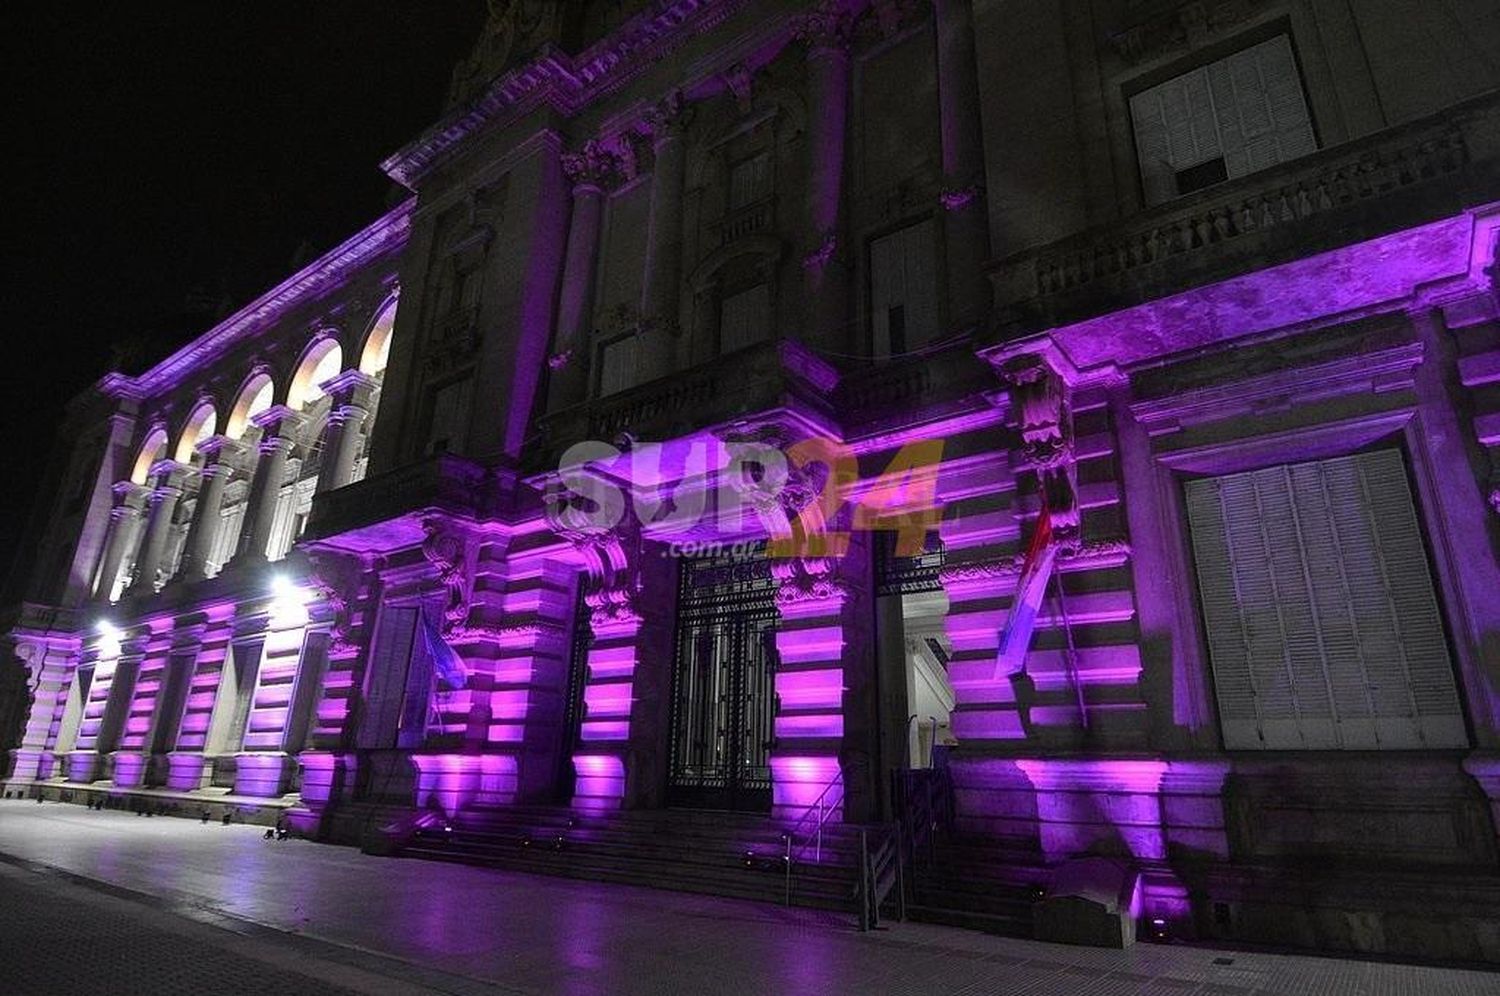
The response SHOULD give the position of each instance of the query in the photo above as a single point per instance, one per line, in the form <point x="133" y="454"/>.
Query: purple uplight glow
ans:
<point x="600" y="782"/>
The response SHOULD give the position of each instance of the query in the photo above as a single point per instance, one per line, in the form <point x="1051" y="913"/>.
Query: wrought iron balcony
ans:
<point x="1396" y="178"/>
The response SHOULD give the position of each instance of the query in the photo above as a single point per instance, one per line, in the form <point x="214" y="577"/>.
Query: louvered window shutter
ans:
<point x="1249" y="108"/>
<point x="744" y="319"/>
<point x="617" y="366"/>
<point x="903" y="289"/>
<point x="1324" y="631"/>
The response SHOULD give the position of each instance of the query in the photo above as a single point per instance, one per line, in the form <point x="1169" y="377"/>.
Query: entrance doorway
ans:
<point x="724" y="693"/>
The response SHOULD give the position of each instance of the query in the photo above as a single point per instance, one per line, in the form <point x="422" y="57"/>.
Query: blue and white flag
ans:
<point x="448" y="667"/>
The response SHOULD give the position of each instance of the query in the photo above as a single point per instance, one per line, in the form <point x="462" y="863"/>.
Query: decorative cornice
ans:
<point x="333" y="268"/>
<point x="565" y="83"/>
<point x="1088" y="556"/>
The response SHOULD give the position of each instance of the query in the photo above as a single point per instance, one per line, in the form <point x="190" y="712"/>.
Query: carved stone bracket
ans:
<point x="1044" y="418"/>
<point x="669" y="117"/>
<point x="446" y="549"/>
<point x="337" y="580"/>
<point x="607" y="555"/>
<point x="808" y="579"/>
<point x="740" y="81"/>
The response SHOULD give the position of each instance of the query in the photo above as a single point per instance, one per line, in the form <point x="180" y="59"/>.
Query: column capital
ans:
<point x="351" y="387"/>
<point x="218" y="452"/>
<point x="277" y="421"/>
<point x="828" y="27"/>
<point x="592" y="168"/>
<point x="130" y="494"/>
<point x="167" y="474"/>
<point x="669" y="117"/>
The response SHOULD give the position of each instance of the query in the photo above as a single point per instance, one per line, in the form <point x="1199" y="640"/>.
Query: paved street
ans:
<point x="113" y="903"/>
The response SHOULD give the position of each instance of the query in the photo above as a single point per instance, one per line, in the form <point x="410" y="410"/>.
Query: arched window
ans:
<point x="152" y="450"/>
<point x="199" y="426"/>
<point x="377" y="351"/>
<point x="322" y="362"/>
<point x="254" y="398"/>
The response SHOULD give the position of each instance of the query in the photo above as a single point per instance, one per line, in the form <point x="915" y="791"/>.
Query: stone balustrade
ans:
<point x="1205" y="234"/>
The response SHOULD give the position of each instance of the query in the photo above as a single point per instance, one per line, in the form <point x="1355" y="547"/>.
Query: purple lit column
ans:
<point x="353" y="396"/>
<point x="827" y="32"/>
<point x="207" y="514"/>
<point x="278" y="424"/>
<point x="124" y="532"/>
<point x="825" y="719"/>
<point x="164" y="498"/>
<point x="965" y="226"/>
<point x="52" y="666"/>
<point x="659" y="298"/>
<point x="589" y="170"/>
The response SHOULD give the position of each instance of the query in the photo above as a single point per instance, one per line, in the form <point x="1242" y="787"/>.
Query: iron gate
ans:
<point x="724" y="693"/>
<point x="573" y="705"/>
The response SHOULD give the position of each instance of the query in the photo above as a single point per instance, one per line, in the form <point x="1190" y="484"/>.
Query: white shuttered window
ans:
<point x="1323" y="628"/>
<point x="744" y="319"/>
<point x="1229" y="118"/>
<point x="618" y="365"/>
<point x="903" y="289"/>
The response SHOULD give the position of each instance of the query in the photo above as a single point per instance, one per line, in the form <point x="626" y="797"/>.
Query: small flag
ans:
<point x="1036" y="569"/>
<point x="451" y="671"/>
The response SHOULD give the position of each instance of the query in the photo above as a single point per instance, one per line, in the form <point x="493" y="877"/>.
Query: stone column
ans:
<point x="51" y="666"/>
<point x="965" y="224"/>
<point x="163" y="499"/>
<point x="217" y="470"/>
<point x="124" y="530"/>
<point x="353" y="395"/>
<point x="659" y="303"/>
<point x="590" y="170"/>
<point x="623" y="733"/>
<point x="277" y="424"/>
<point x="826" y="31"/>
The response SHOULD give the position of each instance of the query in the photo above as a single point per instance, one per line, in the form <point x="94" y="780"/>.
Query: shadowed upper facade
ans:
<point x="1207" y="290"/>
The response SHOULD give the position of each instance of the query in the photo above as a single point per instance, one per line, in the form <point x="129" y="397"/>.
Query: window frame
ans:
<point x="1201" y="58"/>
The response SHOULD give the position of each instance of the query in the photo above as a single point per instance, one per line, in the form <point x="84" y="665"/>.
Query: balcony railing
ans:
<point x="445" y="481"/>
<point x="764" y="377"/>
<point x="1331" y="197"/>
<point x="748" y="220"/>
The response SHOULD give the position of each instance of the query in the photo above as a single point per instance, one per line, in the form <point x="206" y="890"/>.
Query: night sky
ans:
<point x="170" y="158"/>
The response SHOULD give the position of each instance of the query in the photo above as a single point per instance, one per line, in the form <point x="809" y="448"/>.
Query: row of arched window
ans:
<point x="169" y="520"/>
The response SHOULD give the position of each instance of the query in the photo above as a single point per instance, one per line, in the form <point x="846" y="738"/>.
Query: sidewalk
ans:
<point x="365" y="924"/>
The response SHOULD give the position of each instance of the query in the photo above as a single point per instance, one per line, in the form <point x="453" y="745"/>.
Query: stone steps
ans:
<point x="713" y="853"/>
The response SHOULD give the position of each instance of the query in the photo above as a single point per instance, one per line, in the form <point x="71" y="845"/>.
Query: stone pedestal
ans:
<point x="188" y="771"/>
<point x="264" y="774"/>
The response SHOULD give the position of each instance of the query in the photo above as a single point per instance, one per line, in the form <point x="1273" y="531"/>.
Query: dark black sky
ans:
<point x="164" y="148"/>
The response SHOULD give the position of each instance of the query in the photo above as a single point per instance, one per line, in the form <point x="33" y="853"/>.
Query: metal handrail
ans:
<point x="823" y="809"/>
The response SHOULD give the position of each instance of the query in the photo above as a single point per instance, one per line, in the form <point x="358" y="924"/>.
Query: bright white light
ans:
<point x="288" y="601"/>
<point x="284" y="589"/>
<point x="109" y="639"/>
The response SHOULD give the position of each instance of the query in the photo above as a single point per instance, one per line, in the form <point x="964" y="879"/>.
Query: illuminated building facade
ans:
<point x="478" y="512"/>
